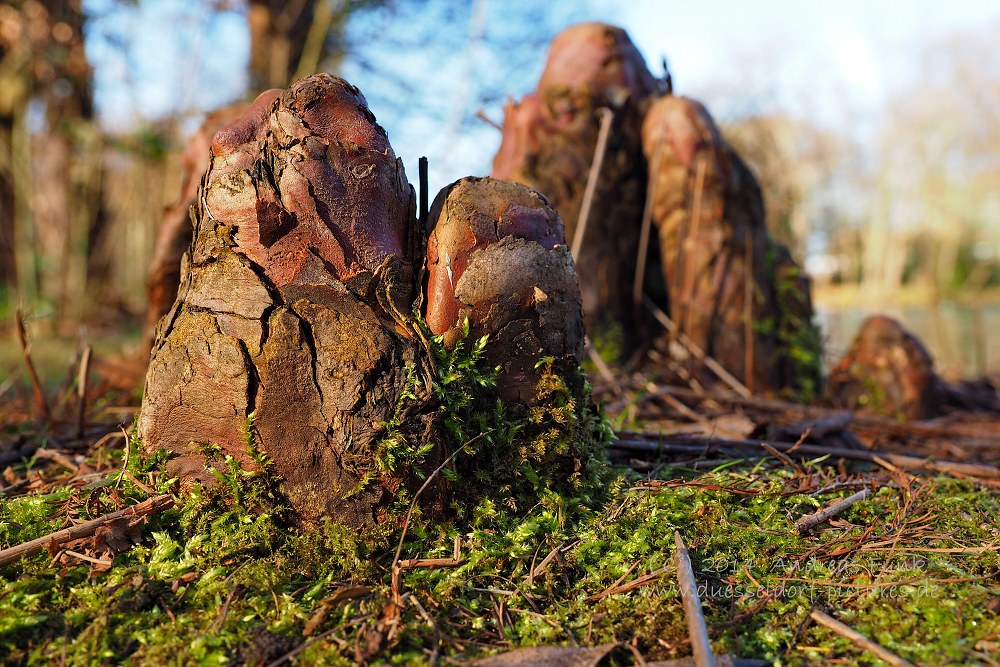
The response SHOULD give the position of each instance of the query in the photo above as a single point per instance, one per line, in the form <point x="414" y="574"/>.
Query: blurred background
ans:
<point x="874" y="129"/>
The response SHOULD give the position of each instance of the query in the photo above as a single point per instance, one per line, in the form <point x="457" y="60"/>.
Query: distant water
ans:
<point x="964" y="339"/>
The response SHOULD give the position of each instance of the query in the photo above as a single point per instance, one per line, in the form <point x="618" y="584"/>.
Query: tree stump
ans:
<point x="732" y="290"/>
<point x="298" y="328"/>
<point x="887" y="371"/>
<point x="173" y="236"/>
<point x="549" y="142"/>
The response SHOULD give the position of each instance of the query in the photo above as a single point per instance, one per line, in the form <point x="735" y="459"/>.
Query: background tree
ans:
<point x="50" y="168"/>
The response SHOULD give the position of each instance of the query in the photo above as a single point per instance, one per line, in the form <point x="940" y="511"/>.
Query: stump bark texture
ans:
<point x="886" y="371"/>
<point x="173" y="236"/>
<point x="727" y="285"/>
<point x="295" y="323"/>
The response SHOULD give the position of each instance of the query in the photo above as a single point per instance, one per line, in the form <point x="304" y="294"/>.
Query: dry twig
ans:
<point x="86" y="529"/>
<point x="689" y="444"/>
<point x="810" y="521"/>
<point x="41" y="404"/>
<point x="606" y="116"/>
<point x="700" y="644"/>
<point x="859" y="639"/>
<point x="81" y="388"/>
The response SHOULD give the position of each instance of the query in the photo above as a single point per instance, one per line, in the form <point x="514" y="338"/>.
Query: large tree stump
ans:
<point x="294" y="325"/>
<point x="549" y="142"/>
<point x="732" y="290"/>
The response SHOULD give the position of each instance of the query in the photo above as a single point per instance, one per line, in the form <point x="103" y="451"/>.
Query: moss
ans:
<point x="800" y="345"/>
<point x="551" y="541"/>
<point x="216" y="580"/>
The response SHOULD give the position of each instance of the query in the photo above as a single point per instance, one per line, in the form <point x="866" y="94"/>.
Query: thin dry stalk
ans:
<point x="396" y="569"/>
<point x="606" y="115"/>
<point x="86" y="529"/>
<point x="638" y="582"/>
<point x="697" y="630"/>
<point x="695" y="445"/>
<point x="748" y="315"/>
<point x="690" y="237"/>
<point x="41" y="405"/>
<point x="81" y="389"/>
<point x="859" y="639"/>
<point x="481" y="115"/>
<point x="647" y="224"/>
<point x="695" y="350"/>
<point x="600" y="364"/>
<point x="807" y="523"/>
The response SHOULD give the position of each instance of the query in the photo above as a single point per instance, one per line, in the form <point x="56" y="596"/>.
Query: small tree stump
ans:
<point x="735" y="292"/>
<point x="886" y="371"/>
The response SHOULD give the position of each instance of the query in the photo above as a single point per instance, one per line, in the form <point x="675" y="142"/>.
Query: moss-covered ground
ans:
<point x="221" y="578"/>
<point x="225" y="577"/>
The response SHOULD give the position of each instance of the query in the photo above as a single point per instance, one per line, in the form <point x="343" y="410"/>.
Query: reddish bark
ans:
<point x="497" y="257"/>
<point x="731" y="289"/>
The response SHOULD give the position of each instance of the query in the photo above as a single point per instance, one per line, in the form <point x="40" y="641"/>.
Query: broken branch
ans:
<point x="810" y="521"/>
<point x="86" y="529"/>
<point x="859" y="639"/>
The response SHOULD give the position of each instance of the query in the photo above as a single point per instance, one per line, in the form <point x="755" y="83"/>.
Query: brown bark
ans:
<point x="297" y="301"/>
<point x="549" y="141"/>
<point x="731" y="289"/>
<point x="496" y="256"/>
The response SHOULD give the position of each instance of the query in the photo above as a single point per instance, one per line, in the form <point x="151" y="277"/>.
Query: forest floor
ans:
<point x="221" y="577"/>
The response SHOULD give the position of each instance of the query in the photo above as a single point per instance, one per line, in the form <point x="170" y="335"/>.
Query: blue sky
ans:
<point x="825" y="60"/>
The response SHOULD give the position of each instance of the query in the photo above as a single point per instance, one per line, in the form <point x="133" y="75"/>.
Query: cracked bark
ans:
<point x="298" y="295"/>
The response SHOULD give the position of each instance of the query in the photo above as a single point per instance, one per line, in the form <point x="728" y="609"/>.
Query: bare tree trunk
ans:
<point x="45" y="61"/>
<point x="8" y="263"/>
<point x="291" y="39"/>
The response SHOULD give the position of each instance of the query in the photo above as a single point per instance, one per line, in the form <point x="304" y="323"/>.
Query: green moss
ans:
<point x="799" y="343"/>
<point x="216" y="580"/>
<point x="550" y="537"/>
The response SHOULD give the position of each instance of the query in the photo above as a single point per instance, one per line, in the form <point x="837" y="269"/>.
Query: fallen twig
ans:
<point x="698" y="631"/>
<point x="690" y="444"/>
<point x="859" y="639"/>
<point x="396" y="568"/>
<point x="871" y="423"/>
<point x="606" y="116"/>
<point x="699" y="354"/>
<point x="638" y="582"/>
<point x="810" y="521"/>
<point x="86" y="529"/>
